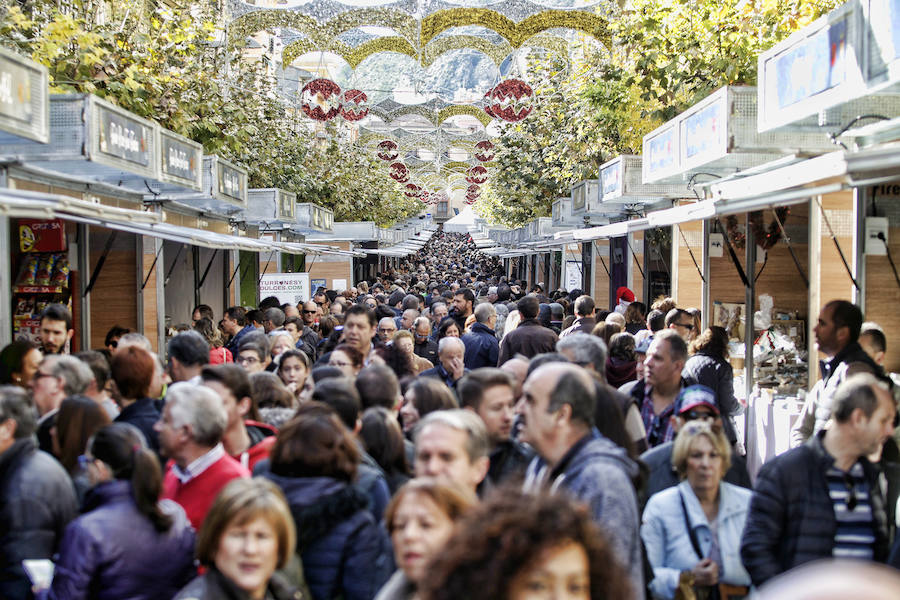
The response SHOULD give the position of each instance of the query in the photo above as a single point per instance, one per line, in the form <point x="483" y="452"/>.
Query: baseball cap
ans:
<point x="643" y="346"/>
<point x="695" y="396"/>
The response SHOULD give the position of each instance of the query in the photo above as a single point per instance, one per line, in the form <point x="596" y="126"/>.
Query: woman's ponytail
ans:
<point x="122" y="448"/>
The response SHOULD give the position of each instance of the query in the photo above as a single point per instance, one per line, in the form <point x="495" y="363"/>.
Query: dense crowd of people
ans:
<point x="440" y="432"/>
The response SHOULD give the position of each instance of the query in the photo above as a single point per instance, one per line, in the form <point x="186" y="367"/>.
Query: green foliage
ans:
<point x="677" y="53"/>
<point x="164" y="64"/>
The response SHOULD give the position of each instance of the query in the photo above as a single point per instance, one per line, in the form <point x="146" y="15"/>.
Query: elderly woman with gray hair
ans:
<point x="692" y="532"/>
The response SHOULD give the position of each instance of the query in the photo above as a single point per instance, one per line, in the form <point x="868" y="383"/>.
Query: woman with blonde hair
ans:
<point x="218" y="354"/>
<point x="405" y="343"/>
<point x="692" y="532"/>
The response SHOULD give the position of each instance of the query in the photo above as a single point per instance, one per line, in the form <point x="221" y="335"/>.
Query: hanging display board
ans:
<point x="289" y="288"/>
<point x="573" y="275"/>
<point x="23" y="98"/>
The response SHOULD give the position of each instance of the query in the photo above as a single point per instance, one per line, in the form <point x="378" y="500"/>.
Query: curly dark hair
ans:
<point x="503" y="538"/>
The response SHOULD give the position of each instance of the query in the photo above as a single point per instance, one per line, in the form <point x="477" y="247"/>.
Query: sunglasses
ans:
<point x="309" y="312"/>
<point x="688" y="326"/>
<point x="696" y="415"/>
<point x="852" y="500"/>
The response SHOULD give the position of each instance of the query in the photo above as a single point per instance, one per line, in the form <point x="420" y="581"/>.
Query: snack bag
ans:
<point x="29" y="269"/>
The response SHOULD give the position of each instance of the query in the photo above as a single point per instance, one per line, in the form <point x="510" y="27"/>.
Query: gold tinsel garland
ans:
<point x="437" y="47"/>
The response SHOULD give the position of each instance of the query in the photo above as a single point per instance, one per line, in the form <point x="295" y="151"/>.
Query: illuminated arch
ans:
<point x="464" y="109"/>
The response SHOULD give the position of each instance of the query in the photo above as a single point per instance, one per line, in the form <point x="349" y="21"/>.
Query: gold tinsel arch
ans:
<point x="514" y="33"/>
<point x="496" y="52"/>
<point x="464" y="109"/>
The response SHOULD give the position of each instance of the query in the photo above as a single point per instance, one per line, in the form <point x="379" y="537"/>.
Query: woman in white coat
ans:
<point x="692" y="532"/>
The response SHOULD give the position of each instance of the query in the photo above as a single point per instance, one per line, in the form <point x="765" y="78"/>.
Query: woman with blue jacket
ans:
<point x="127" y="545"/>
<point x="692" y="532"/>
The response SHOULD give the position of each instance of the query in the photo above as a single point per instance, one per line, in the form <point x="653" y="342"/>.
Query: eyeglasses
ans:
<point x="687" y="326"/>
<point x="114" y="344"/>
<point x="309" y="312"/>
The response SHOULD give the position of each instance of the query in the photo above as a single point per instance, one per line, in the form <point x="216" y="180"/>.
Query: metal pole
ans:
<point x="705" y="302"/>
<point x="750" y="308"/>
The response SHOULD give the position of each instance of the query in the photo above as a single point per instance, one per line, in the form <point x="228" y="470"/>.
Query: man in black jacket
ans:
<point x="530" y="338"/>
<point x="38" y="498"/>
<point x="488" y="392"/>
<point x="823" y="499"/>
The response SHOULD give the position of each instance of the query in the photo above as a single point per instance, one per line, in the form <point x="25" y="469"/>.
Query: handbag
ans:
<point x="687" y="590"/>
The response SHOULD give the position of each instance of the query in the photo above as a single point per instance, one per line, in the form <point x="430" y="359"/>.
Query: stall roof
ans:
<point x="26" y="204"/>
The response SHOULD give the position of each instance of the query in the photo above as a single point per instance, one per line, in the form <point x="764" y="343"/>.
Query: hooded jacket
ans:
<point x="344" y="552"/>
<point x="113" y="551"/>
<point x="599" y="474"/>
<point x="37" y="501"/>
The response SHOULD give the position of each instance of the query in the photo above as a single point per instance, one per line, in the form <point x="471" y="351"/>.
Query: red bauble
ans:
<point x="387" y="150"/>
<point x="320" y="99"/>
<point x="412" y="190"/>
<point x="473" y="190"/>
<point x="476" y="174"/>
<point x="353" y="105"/>
<point x="399" y="172"/>
<point x="484" y="151"/>
<point x="511" y="100"/>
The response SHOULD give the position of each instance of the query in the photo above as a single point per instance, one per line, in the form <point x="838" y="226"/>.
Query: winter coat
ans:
<point x="482" y="347"/>
<point x="817" y="408"/>
<point x="619" y="372"/>
<point x="215" y="586"/>
<point x="37" y="501"/>
<point x="716" y="373"/>
<point x="344" y="552"/>
<point x="598" y="473"/>
<point x="510" y="458"/>
<point x="398" y="587"/>
<point x="668" y="542"/>
<point x="427" y="350"/>
<point x="113" y="551"/>
<point x="791" y="518"/>
<point x="143" y="414"/>
<point x="581" y="325"/>
<point x="439" y="372"/>
<point x="530" y="338"/>
<point x="235" y="342"/>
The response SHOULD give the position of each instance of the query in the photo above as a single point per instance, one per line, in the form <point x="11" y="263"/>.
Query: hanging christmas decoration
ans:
<point x="511" y="100"/>
<point x="488" y="101"/>
<point x="484" y="151"/>
<point x="473" y="190"/>
<point x="425" y="196"/>
<point x="413" y="190"/>
<point x="387" y="150"/>
<point x="320" y="99"/>
<point x="399" y="172"/>
<point x="476" y="175"/>
<point x="354" y="105"/>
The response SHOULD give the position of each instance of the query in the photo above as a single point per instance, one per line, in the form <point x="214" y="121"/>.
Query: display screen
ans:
<point x="231" y="182"/>
<point x="704" y="131"/>
<point x="15" y="91"/>
<point x="179" y="159"/>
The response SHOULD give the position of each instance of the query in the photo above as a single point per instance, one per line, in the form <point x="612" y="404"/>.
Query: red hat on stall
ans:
<point x="623" y="293"/>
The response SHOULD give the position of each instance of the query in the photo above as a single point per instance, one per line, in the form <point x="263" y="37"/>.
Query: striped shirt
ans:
<point x="855" y="533"/>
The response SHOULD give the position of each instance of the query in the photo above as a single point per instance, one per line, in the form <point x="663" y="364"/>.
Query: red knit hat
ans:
<point x="623" y="293"/>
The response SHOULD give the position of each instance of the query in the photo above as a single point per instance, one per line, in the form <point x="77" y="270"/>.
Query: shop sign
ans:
<point x="23" y="97"/>
<point x="42" y="235"/>
<point x="230" y="181"/>
<point x="704" y="131"/>
<point x="15" y="91"/>
<point x="289" y="288"/>
<point x="123" y="137"/>
<point x="816" y="65"/>
<point x="179" y="159"/>
<point x="611" y="180"/>
<point x="573" y="275"/>
<point x="661" y="150"/>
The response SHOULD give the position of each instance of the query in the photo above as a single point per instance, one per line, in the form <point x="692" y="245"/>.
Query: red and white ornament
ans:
<point x="387" y="150"/>
<point x="399" y="172"/>
<point x="511" y="100"/>
<point x="354" y="105"/>
<point x="484" y="151"/>
<point x="320" y="99"/>
<point x="413" y="190"/>
<point x="476" y="175"/>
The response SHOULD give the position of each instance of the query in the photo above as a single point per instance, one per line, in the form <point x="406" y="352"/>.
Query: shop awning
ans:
<point x="35" y="205"/>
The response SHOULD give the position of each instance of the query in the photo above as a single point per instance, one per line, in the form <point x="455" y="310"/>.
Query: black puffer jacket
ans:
<point x="37" y="501"/>
<point x="791" y="519"/>
<point x="716" y="374"/>
<point x="215" y="586"/>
